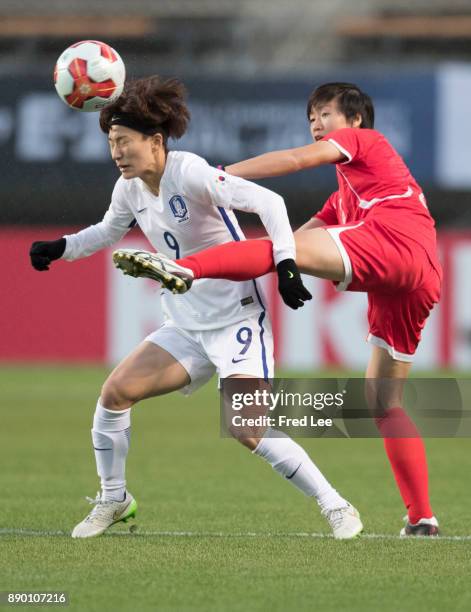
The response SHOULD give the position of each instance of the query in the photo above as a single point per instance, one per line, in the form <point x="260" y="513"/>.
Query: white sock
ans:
<point x="291" y="461"/>
<point x="110" y="434"/>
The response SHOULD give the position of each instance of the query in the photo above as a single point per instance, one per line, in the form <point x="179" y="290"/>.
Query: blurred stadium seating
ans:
<point x="246" y="36"/>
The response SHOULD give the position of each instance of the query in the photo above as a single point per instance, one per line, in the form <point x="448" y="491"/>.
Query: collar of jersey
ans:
<point x="144" y="187"/>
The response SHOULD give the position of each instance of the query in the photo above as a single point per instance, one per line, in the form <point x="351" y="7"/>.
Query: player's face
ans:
<point x="327" y="118"/>
<point x="133" y="153"/>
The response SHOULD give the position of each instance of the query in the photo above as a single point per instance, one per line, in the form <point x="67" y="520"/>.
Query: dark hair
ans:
<point x="154" y="103"/>
<point x="351" y="101"/>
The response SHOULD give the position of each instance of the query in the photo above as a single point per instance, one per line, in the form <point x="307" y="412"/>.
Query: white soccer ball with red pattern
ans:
<point x="89" y="75"/>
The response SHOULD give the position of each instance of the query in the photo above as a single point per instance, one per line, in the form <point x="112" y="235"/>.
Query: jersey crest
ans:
<point x="179" y="209"/>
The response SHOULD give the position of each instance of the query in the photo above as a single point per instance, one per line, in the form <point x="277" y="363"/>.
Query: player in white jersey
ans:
<point x="183" y="205"/>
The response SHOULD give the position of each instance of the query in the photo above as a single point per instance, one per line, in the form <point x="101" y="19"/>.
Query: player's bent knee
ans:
<point x="383" y="394"/>
<point x="250" y="443"/>
<point x="247" y="436"/>
<point x="116" y="395"/>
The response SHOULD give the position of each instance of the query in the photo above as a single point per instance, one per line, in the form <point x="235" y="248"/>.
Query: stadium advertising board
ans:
<point x="66" y="158"/>
<point x="87" y="311"/>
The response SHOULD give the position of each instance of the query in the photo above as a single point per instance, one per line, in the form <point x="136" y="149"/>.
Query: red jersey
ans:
<point x="375" y="181"/>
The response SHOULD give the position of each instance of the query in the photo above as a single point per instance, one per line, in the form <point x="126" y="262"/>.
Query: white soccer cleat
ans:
<point x="424" y="527"/>
<point x="105" y="514"/>
<point x="345" y="522"/>
<point x="156" y="266"/>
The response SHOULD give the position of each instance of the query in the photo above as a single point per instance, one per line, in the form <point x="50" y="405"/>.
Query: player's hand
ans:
<point x="43" y="252"/>
<point x="290" y="284"/>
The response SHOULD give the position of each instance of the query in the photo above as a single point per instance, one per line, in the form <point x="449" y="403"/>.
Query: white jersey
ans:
<point x="192" y="212"/>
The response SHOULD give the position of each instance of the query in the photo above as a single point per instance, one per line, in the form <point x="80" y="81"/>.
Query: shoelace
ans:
<point x="100" y="506"/>
<point x="97" y="499"/>
<point x="335" y="517"/>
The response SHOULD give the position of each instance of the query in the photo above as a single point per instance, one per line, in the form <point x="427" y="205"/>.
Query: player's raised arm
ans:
<point x="286" y="161"/>
<point x="116" y="223"/>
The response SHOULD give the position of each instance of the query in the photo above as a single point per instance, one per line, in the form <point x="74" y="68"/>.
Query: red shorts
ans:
<point x="402" y="281"/>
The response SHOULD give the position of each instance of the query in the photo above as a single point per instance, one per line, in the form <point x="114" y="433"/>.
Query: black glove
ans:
<point x="43" y="252"/>
<point x="290" y="285"/>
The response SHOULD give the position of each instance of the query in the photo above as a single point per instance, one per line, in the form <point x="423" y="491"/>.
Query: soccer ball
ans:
<point x="89" y="75"/>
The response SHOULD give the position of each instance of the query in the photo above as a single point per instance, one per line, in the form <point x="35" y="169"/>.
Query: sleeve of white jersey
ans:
<point x="117" y="221"/>
<point x="217" y="188"/>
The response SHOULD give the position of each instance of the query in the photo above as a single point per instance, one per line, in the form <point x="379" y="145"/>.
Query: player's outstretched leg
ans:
<point x="155" y="266"/>
<point x="105" y="514"/>
<point x="236" y="261"/>
<point x="316" y="254"/>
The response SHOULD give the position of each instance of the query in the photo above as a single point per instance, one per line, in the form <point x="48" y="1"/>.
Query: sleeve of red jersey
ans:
<point x="348" y="141"/>
<point x="328" y="213"/>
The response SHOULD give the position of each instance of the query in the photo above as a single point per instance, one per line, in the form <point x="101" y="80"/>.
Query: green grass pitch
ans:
<point x="218" y="528"/>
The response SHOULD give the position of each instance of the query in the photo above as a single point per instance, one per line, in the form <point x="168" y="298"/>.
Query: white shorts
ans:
<point x="246" y="347"/>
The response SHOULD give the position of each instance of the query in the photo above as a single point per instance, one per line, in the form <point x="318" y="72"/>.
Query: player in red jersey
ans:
<point x="375" y="235"/>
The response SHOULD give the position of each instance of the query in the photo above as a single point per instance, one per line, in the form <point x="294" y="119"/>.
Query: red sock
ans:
<point x="408" y="461"/>
<point x="237" y="261"/>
